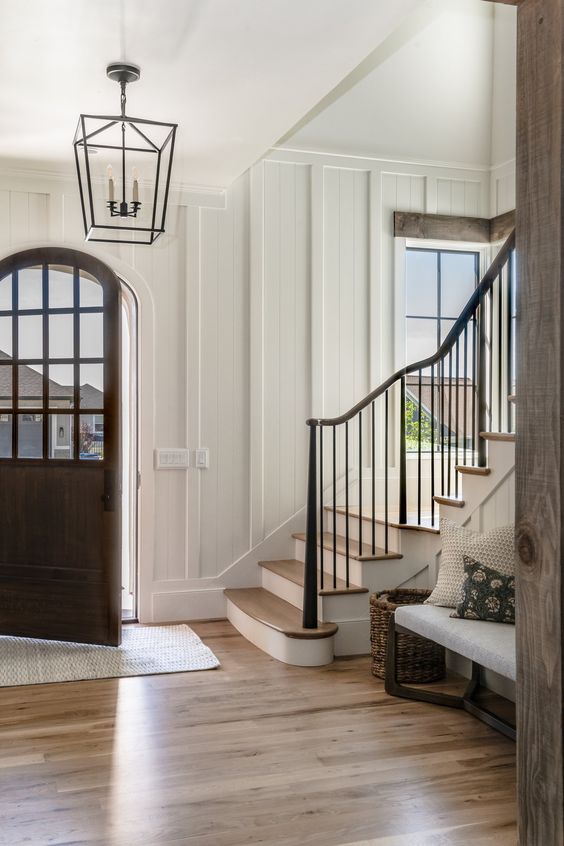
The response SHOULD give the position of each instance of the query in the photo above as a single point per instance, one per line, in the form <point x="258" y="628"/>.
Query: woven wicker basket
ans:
<point x="417" y="660"/>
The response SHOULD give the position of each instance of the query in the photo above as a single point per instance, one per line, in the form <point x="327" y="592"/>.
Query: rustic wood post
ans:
<point x="540" y="420"/>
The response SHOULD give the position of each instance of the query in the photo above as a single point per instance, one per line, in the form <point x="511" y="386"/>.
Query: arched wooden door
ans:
<point x="60" y="504"/>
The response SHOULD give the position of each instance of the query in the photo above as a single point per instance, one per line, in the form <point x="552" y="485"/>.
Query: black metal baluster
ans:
<point x="402" y="458"/>
<point x="442" y="421"/>
<point x="360" y="519"/>
<point x="432" y="444"/>
<point x="456" y="405"/>
<point x="474" y="385"/>
<point x="499" y="351"/>
<point x="334" y="506"/>
<point x="482" y="383"/>
<point x="386" y="475"/>
<point x="449" y="420"/>
<point x="347" y="539"/>
<point x="373" y="452"/>
<point x="490" y="362"/>
<point x="321" y="507"/>
<point x="509" y="341"/>
<point x="465" y="395"/>
<point x="419" y="451"/>
<point x="310" y="568"/>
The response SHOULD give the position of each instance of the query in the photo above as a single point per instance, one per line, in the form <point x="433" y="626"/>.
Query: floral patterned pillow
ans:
<point x="486" y="594"/>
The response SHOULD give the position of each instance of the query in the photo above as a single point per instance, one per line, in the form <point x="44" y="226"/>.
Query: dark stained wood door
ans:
<point x="60" y="502"/>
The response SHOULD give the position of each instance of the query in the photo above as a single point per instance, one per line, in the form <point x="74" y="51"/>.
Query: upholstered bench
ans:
<point x="489" y="646"/>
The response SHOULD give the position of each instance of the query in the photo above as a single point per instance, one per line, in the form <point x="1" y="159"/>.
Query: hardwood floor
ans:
<point x="255" y="752"/>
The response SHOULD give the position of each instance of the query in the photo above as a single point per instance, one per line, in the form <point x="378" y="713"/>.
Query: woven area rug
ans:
<point x="145" y="650"/>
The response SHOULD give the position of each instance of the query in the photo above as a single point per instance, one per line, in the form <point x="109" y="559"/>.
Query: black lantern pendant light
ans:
<point x="123" y="166"/>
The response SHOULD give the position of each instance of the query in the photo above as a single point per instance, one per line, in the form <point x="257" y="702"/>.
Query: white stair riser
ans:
<point x="329" y="608"/>
<point x="353" y="637"/>
<point x="314" y="652"/>
<point x="354" y="531"/>
<point x="374" y="575"/>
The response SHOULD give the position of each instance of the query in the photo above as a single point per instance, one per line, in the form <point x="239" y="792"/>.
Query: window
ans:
<point x="438" y="285"/>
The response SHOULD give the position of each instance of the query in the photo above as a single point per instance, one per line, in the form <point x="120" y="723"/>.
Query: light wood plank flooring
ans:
<point x="253" y="753"/>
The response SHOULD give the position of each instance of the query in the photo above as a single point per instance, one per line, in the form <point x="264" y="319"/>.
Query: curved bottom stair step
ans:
<point x="275" y="626"/>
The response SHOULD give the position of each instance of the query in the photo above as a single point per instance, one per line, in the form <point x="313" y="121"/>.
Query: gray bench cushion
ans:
<point x="492" y="645"/>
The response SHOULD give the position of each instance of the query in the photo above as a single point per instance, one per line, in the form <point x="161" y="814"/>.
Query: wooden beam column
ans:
<point x="540" y="421"/>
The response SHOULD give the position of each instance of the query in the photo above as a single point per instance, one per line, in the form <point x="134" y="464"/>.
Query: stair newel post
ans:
<point x="482" y="382"/>
<point x="310" y="569"/>
<point x="402" y="458"/>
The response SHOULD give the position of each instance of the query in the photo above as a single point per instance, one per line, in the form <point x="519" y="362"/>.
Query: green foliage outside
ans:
<point x="412" y="425"/>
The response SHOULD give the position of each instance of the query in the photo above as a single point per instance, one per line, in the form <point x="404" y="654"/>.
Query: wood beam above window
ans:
<point x="443" y="227"/>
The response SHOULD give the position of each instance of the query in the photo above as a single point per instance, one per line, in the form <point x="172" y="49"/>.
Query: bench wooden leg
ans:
<point x="466" y="701"/>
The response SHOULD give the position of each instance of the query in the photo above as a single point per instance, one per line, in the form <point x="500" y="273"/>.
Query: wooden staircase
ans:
<point x="270" y="616"/>
<point x="423" y="442"/>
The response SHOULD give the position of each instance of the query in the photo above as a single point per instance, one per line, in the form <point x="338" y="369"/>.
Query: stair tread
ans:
<point x="276" y="613"/>
<point x="359" y="554"/>
<point x="294" y="571"/>
<point x="449" y="500"/>
<point x="473" y="471"/>
<point x="393" y="519"/>
<point x="498" y="436"/>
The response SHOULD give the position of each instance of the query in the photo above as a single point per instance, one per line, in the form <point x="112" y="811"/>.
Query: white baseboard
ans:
<point x="188" y="605"/>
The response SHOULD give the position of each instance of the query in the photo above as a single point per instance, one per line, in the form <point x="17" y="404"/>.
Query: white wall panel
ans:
<point x="346" y="295"/>
<point x="276" y="308"/>
<point x="286" y="331"/>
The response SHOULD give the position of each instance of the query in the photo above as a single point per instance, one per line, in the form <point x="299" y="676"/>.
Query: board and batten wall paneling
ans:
<point x="286" y="335"/>
<point x="24" y="218"/>
<point x="459" y="196"/>
<point x="400" y="192"/>
<point x="221" y="387"/>
<point x="346" y="289"/>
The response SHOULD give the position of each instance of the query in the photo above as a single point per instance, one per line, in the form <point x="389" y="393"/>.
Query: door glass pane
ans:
<point x="30" y="340"/>
<point x="91" y="336"/>
<point x="6" y="293"/>
<point x="91" y="292"/>
<point x="421" y="339"/>
<point x="30" y="288"/>
<point x="6" y="386"/>
<point x="91" y="437"/>
<point x="61" y="287"/>
<point x="458" y="280"/>
<point x="61" y="336"/>
<point x="92" y="386"/>
<point x="421" y="283"/>
<point x="5" y="435"/>
<point x="30" y="386"/>
<point x="61" y="386"/>
<point x="30" y="436"/>
<point x="5" y="338"/>
<point x="61" y="443"/>
<point x="446" y="326"/>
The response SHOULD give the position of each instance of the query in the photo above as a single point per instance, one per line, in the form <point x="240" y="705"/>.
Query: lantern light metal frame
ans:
<point x="90" y="139"/>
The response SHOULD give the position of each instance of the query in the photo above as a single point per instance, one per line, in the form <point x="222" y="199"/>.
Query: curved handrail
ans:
<point x="486" y="283"/>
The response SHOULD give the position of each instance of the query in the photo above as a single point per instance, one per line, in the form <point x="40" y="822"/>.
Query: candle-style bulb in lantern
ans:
<point x="135" y="175"/>
<point x="110" y="173"/>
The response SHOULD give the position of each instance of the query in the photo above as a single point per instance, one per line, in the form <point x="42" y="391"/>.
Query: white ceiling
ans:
<point x="235" y="74"/>
<point x="430" y="97"/>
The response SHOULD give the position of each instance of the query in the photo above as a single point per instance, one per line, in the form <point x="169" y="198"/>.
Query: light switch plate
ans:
<point x="172" y="459"/>
<point x="202" y="458"/>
